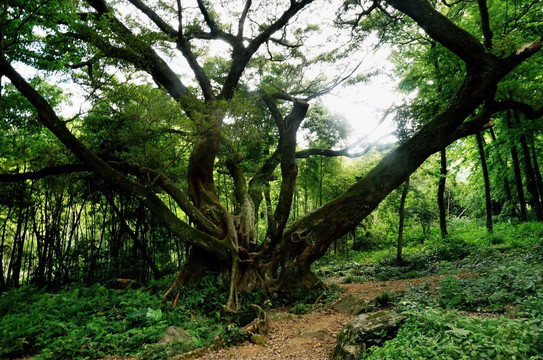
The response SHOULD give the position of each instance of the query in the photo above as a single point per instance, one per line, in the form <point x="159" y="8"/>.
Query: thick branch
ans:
<point x="243" y="18"/>
<point x="207" y="17"/>
<point x="485" y="23"/>
<point x="162" y="25"/>
<point x="483" y="121"/>
<point x="185" y="48"/>
<point x="454" y="38"/>
<point x="289" y="168"/>
<point x="303" y="154"/>
<point x="48" y="171"/>
<point x="529" y="112"/>
<point x="137" y="52"/>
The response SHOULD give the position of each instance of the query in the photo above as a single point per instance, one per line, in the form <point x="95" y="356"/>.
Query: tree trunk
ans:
<point x="531" y="182"/>
<point x="3" y="285"/>
<point x="518" y="176"/>
<point x="401" y="214"/>
<point x="441" y="194"/>
<point x="537" y="171"/>
<point x="488" y="199"/>
<point x="506" y="185"/>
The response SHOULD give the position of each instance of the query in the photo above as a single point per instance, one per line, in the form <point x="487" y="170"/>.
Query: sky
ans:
<point x="363" y="106"/>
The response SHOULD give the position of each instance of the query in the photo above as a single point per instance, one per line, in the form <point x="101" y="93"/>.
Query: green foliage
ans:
<point x="207" y="296"/>
<point x="493" y="288"/>
<point x="96" y="322"/>
<point x="449" y="335"/>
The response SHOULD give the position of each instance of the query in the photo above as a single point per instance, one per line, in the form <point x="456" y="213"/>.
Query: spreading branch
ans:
<point x="155" y="18"/>
<point x="454" y="38"/>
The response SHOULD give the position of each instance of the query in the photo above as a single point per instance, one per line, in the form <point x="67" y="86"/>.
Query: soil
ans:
<point x="311" y="336"/>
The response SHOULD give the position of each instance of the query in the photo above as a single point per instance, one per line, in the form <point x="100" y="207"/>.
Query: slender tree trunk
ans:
<point x="537" y="171"/>
<point x="14" y="268"/>
<point x="2" y="278"/>
<point x="531" y="181"/>
<point x="486" y="178"/>
<point x="506" y="185"/>
<point x="441" y="194"/>
<point x="518" y="176"/>
<point x="401" y="213"/>
<point x="137" y="242"/>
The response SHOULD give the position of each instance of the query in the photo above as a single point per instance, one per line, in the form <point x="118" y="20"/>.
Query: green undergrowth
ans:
<point x="490" y="307"/>
<point x="438" y="334"/>
<point x="93" y="322"/>
<point x="418" y="261"/>
<point x="468" y="247"/>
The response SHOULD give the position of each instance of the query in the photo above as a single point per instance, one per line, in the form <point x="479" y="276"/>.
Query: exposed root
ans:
<point x="233" y="296"/>
<point x="176" y="301"/>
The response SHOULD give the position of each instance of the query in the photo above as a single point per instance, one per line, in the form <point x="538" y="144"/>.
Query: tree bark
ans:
<point x="441" y="194"/>
<point x="518" y="176"/>
<point x="531" y="182"/>
<point x="486" y="179"/>
<point x="401" y="214"/>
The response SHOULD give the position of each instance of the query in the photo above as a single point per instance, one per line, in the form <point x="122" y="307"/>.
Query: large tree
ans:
<point x="95" y="35"/>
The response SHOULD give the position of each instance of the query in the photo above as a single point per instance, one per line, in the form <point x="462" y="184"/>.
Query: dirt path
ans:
<point x="311" y="336"/>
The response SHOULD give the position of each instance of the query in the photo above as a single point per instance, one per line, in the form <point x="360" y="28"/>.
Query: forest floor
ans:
<point x="313" y="335"/>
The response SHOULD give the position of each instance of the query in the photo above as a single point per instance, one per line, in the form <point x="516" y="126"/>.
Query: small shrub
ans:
<point x="300" y="309"/>
<point x="416" y="298"/>
<point x="383" y="299"/>
<point x="351" y="278"/>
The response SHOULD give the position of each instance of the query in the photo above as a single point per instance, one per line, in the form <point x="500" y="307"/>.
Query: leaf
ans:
<point x="154" y="314"/>
<point x="138" y="313"/>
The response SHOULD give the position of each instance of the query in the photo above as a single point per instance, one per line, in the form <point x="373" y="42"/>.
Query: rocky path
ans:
<point x="311" y="336"/>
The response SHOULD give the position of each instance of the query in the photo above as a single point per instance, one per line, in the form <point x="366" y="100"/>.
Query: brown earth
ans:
<point x="311" y="336"/>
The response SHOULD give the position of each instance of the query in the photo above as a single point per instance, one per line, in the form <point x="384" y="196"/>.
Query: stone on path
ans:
<point x="352" y="305"/>
<point x="363" y="331"/>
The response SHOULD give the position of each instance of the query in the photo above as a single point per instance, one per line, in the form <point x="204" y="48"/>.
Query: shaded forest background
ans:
<point x="72" y="228"/>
